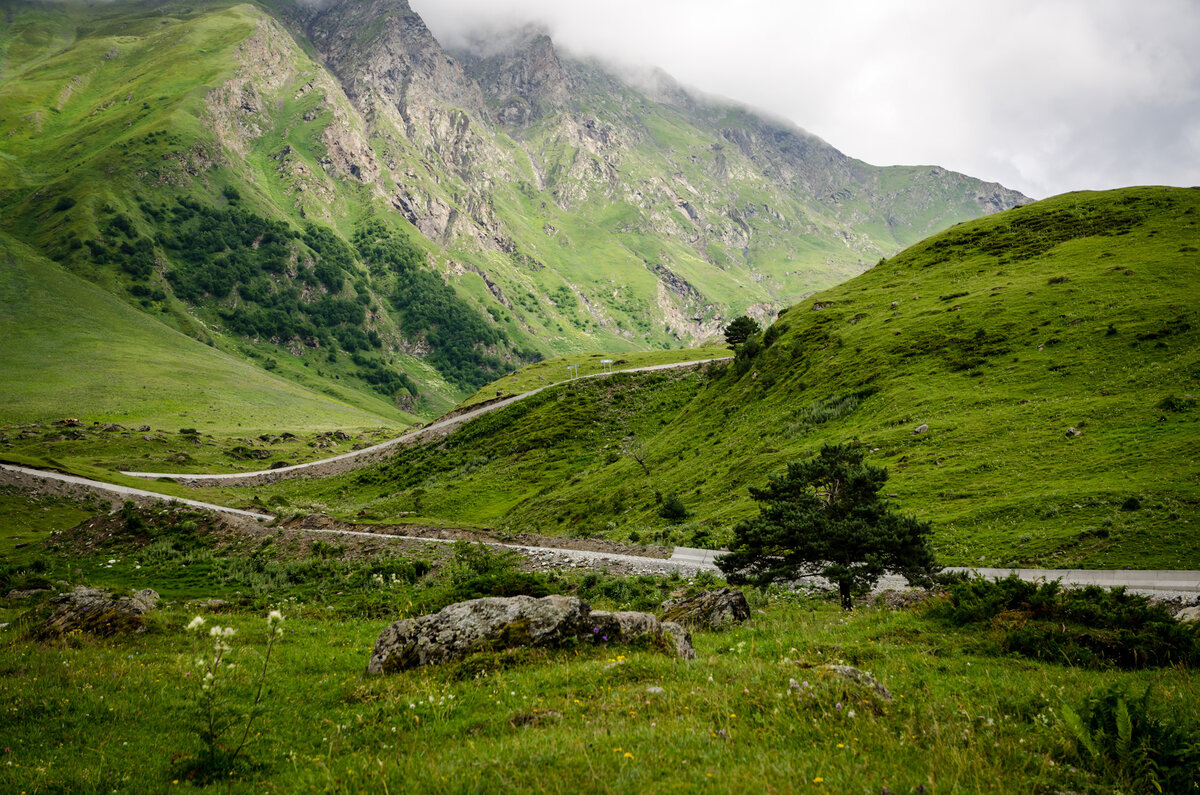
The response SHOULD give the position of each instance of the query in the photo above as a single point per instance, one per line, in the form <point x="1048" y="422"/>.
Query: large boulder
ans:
<point x="96" y="612"/>
<point x="508" y="622"/>
<point x="708" y="610"/>
<point x="631" y="627"/>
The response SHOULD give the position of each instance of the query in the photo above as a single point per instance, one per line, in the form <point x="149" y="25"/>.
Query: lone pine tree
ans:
<point x="824" y="516"/>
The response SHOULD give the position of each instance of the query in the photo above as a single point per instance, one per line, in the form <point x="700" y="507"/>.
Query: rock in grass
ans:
<point x="708" y="610"/>
<point x="641" y="628"/>
<point x="96" y="612"/>
<point x="859" y="677"/>
<point x="494" y="623"/>
<point x="1190" y="614"/>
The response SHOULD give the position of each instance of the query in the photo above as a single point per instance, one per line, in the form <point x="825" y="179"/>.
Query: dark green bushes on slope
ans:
<point x="462" y="342"/>
<point x="1090" y="626"/>
<point x="258" y="272"/>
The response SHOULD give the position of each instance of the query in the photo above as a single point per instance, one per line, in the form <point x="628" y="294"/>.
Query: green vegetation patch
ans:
<point x="1090" y="626"/>
<point x="1020" y="415"/>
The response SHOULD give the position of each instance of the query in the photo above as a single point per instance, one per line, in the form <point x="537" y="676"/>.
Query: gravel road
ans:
<point x="357" y="458"/>
<point x="687" y="561"/>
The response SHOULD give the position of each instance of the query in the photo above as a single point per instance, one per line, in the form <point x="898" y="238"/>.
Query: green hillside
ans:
<point x="1000" y="335"/>
<point x="72" y="350"/>
<point x="132" y="174"/>
<point x="317" y="197"/>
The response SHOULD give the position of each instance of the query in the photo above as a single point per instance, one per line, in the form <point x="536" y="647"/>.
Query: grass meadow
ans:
<point x="754" y="711"/>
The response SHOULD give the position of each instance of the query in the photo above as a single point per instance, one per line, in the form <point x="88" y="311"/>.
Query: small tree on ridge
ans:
<point x="739" y="330"/>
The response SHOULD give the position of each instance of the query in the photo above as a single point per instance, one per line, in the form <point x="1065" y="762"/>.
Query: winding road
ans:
<point x="377" y="452"/>
<point x="685" y="560"/>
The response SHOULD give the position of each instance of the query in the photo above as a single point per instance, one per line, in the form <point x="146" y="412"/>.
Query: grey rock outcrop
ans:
<point x="95" y="612"/>
<point x="709" y="610"/>
<point x="509" y="622"/>
<point x="631" y="627"/>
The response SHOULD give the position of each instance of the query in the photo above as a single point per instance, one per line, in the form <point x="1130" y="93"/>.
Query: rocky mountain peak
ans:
<point x="520" y="73"/>
<point x="383" y="48"/>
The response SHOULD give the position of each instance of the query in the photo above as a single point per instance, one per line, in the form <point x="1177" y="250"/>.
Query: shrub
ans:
<point x="1090" y="626"/>
<point x="476" y="571"/>
<point x="325" y="550"/>
<point x="1116" y="735"/>
<point x="673" y="509"/>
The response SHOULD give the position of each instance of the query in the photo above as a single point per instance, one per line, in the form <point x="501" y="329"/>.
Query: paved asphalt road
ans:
<point x="687" y="561"/>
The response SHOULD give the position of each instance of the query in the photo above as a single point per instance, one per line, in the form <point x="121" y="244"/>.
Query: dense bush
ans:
<point x="476" y="571"/>
<point x="672" y="509"/>
<point x="1090" y="626"/>
<point x="255" y="270"/>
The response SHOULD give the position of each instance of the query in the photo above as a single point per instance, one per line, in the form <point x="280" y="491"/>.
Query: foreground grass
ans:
<point x="92" y="715"/>
<point x="752" y="712"/>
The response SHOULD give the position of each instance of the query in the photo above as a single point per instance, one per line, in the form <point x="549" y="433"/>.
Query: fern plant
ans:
<point x="1118" y="736"/>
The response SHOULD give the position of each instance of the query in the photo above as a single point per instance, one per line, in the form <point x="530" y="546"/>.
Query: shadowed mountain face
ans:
<point x="568" y="205"/>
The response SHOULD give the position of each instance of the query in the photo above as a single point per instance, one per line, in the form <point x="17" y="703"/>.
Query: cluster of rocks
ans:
<point x="495" y="623"/>
<point x="554" y="560"/>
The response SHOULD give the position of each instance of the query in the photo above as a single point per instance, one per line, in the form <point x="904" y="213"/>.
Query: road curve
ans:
<point x="687" y="561"/>
<point x="25" y="477"/>
<point x="376" y="452"/>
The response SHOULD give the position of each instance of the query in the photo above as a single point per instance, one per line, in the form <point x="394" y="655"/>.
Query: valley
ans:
<point x="313" y="330"/>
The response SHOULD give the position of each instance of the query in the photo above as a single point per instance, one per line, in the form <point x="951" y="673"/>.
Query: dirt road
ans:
<point x="357" y="458"/>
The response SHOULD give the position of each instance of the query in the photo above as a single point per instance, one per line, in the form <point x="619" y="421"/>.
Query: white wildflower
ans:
<point x="229" y="632"/>
<point x="274" y="617"/>
<point x="215" y="632"/>
<point x="195" y="623"/>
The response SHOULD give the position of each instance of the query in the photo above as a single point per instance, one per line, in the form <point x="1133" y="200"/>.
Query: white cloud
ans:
<point x="1043" y="95"/>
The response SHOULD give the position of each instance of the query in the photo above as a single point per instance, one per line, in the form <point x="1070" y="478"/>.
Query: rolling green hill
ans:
<point x="1052" y="351"/>
<point x="324" y="190"/>
<point x="71" y="350"/>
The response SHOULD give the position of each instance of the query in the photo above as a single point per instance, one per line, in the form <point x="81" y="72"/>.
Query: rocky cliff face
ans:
<point x="510" y="146"/>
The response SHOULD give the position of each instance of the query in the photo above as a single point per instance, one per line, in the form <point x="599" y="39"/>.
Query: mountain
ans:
<point x="1029" y="379"/>
<point x="326" y="184"/>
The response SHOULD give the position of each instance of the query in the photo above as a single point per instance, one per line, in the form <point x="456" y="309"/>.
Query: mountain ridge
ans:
<point x="606" y="220"/>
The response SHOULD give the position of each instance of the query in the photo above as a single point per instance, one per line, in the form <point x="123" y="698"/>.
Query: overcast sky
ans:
<point x="1044" y="96"/>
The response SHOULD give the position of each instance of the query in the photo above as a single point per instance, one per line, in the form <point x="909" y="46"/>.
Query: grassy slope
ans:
<point x="72" y="350"/>
<point x="1000" y="341"/>
<point x="554" y="371"/>
<point x="101" y="115"/>
<point x="88" y="715"/>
